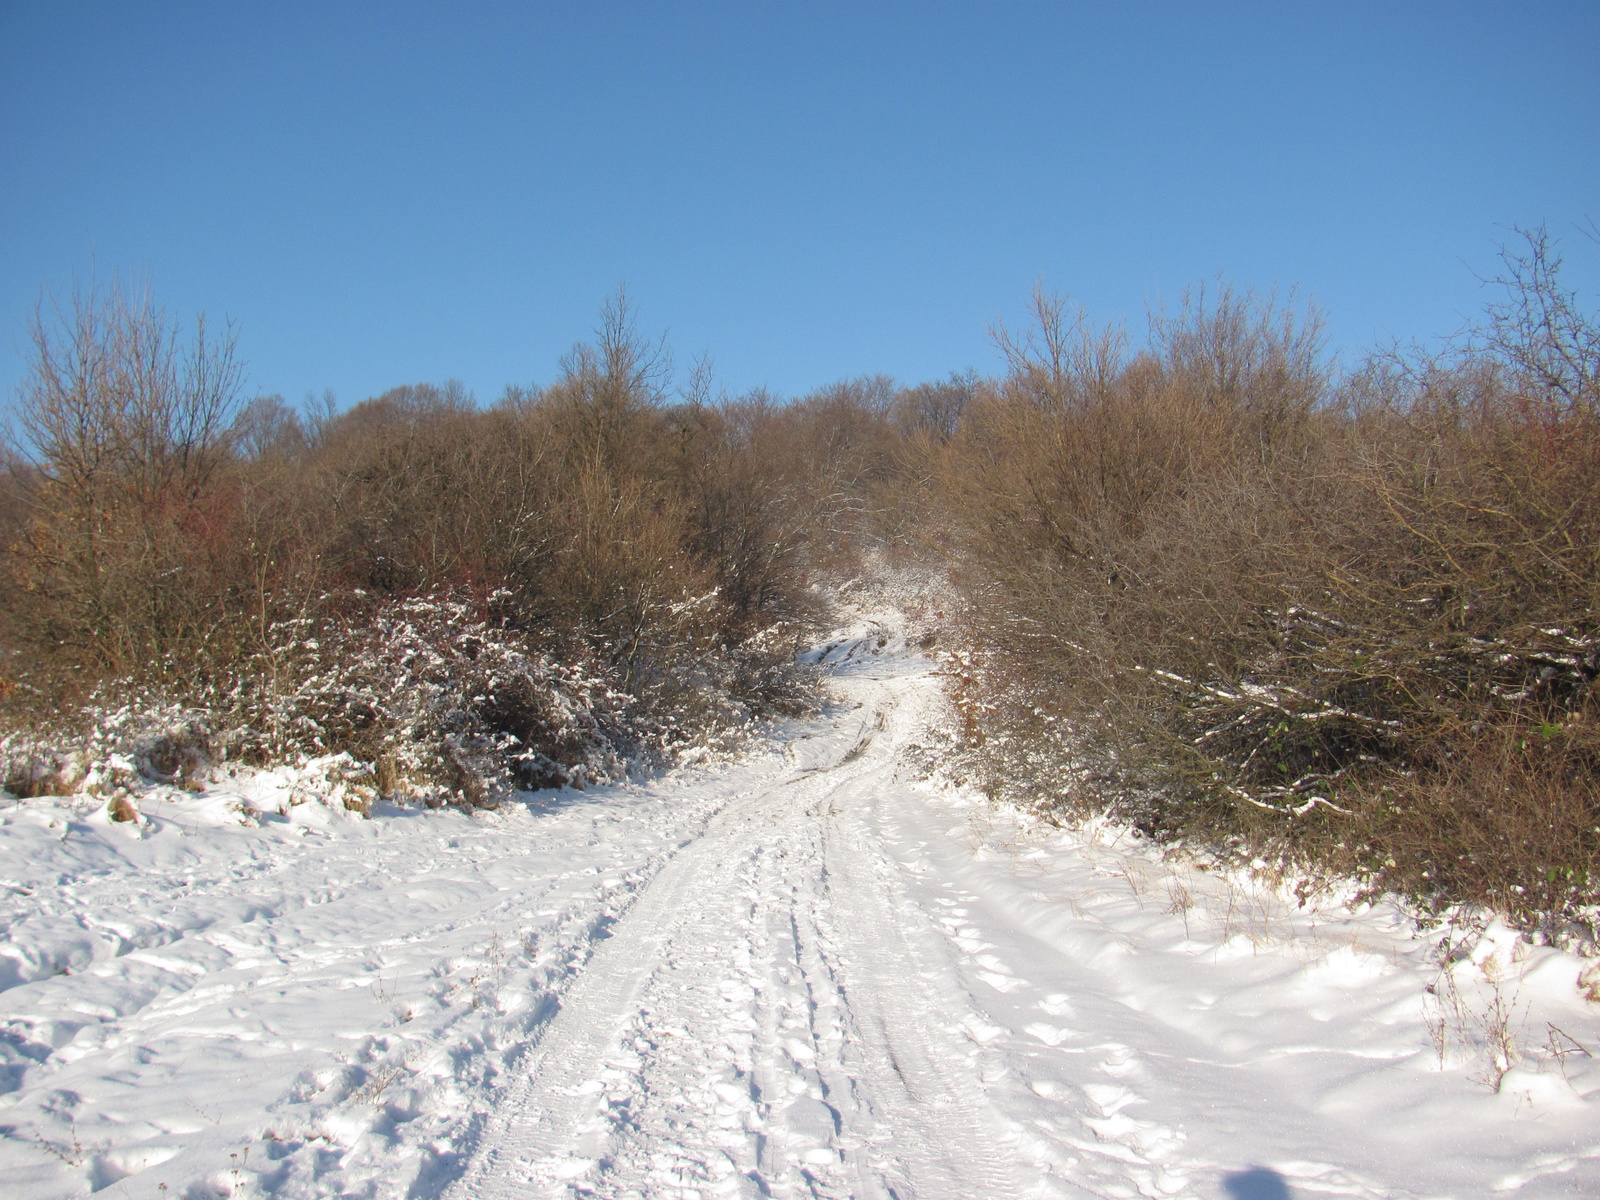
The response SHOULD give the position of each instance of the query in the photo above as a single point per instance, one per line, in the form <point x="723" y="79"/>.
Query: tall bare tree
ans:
<point x="127" y="426"/>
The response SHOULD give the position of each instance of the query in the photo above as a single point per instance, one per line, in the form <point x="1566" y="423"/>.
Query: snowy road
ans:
<point x="775" y="1016"/>
<point x="800" y="975"/>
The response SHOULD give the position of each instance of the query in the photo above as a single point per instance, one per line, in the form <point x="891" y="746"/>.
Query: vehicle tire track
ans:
<point x="857" y="1079"/>
<point x="531" y="1138"/>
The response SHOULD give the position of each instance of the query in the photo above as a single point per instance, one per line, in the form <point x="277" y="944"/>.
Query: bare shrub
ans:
<point x="1505" y="823"/>
<point x="750" y="517"/>
<point x="467" y="600"/>
<point x="1349" y="624"/>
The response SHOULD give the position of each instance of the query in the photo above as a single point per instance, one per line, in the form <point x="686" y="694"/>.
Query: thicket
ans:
<point x="1342" y="623"/>
<point x="1348" y="623"/>
<point x="583" y="576"/>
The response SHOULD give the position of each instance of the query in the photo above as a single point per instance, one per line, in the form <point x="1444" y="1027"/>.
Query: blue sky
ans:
<point x="392" y="193"/>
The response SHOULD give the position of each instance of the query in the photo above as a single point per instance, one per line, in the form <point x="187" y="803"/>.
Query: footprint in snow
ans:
<point x="997" y="974"/>
<point x="1120" y="1062"/>
<point x="1050" y="1035"/>
<point x="810" y="1121"/>
<point x="1111" y="1098"/>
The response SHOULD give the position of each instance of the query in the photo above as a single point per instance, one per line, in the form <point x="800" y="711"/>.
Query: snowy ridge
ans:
<point x="799" y="975"/>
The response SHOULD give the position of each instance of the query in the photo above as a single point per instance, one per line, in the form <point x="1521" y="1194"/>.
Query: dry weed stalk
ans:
<point x="1486" y="1026"/>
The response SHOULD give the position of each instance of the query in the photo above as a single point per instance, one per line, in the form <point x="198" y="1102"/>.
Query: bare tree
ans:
<point x="1062" y="360"/>
<point x="1541" y="329"/>
<point x="607" y="387"/>
<point x="127" y="426"/>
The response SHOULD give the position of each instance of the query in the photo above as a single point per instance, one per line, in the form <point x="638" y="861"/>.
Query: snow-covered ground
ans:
<point x="801" y="974"/>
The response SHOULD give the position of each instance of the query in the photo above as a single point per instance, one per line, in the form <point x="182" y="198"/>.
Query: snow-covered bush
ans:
<point x="435" y="699"/>
<point x="439" y="695"/>
<point x="116" y="734"/>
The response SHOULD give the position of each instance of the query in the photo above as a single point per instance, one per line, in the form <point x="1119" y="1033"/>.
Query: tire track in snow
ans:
<point x="916" y="1061"/>
<point x="365" y="1001"/>
<point x="772" y="1018"/>
<point x="822" y="994"/>
<point x="534" y="1131"/>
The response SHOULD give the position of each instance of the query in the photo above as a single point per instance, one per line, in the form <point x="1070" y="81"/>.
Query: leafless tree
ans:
<point x="1540" y="327"/>
<point x="126" y="425"/>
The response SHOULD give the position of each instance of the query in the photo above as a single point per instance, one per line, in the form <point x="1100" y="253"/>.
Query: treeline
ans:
<point x="578" y="575"/>
<point x="1340" y="622"/>
<point x="1348" y="622"/>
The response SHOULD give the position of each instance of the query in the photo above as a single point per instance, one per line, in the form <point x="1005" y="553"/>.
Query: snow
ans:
<point x="803" y="973"/>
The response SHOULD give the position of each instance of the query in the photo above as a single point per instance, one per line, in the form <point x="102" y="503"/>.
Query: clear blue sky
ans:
<point x="391" y="193"/>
